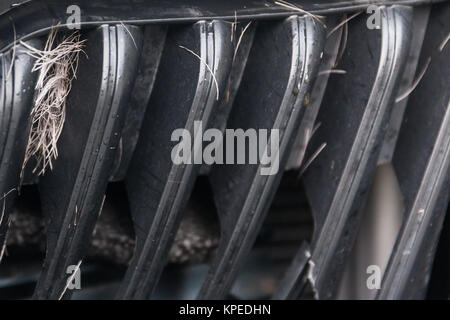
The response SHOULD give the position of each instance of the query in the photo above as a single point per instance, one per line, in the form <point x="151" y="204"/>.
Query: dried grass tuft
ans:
<point x="240" y="40"/>
<point x="408" y="91"/>
<point x="294" y="7"/>
<point x="207" y="67"/>
<point x="444" y="42"/>
<point x="312" y="158"/>
<point x="57" y="65"/>
<point x="343" y="22"/>
<point x="334" y="71"/>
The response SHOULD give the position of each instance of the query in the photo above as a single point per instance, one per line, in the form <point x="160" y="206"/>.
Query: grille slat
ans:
<point x="153" y="44"/>
<point x="268" y="98"/>
<point x="422" y="162"/>
<point x="309" y="125"/>
<point x="16" y="100"/>
<point x="158" y="189"/>
<point x="337" y="181"/>
<point x="72" y="193"/>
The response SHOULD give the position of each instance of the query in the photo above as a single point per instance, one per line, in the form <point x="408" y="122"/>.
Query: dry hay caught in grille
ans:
<point x="57" y="66"/>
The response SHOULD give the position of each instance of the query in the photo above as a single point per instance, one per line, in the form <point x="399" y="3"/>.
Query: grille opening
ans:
<point x="289" y="222"/>
<point x="194" y="246"/>
<point x="381" y="219"/>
